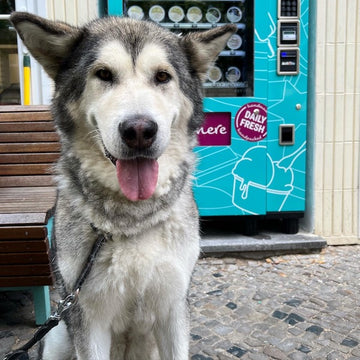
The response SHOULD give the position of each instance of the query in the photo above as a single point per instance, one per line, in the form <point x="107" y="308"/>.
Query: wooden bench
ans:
<point x="29" y="146"/>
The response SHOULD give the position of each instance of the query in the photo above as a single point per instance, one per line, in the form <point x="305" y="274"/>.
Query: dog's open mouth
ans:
<point x="137" y="177"/>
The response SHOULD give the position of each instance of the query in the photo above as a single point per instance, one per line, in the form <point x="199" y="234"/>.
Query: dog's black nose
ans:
<point x="138" y="133"/>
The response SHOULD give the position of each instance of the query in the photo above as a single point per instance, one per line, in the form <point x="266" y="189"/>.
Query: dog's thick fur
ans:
<point x="127" y="93"/>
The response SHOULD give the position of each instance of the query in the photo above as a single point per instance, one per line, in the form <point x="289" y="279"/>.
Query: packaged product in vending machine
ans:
<point x="234" y="14"/>
<point x="176" y="14"/>
<point x="157" y="13"/>
<point x="194" y="14"/>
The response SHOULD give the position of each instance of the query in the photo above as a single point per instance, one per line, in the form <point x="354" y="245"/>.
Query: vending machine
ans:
<point x="252" y="145"/>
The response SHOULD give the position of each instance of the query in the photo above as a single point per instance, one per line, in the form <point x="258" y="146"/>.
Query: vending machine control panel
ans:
<point x="289" y="9"/>
<point x="288" y="33"/>
<point x="288" y="37"/>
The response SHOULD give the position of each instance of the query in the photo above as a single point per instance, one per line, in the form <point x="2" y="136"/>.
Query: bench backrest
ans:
<point x="29" y="146"/>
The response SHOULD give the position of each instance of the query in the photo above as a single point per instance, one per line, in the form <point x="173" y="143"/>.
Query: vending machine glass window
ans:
<point x="232" y="75"/>
<point x="9" y="68"/>
<point x="252" y="143"/>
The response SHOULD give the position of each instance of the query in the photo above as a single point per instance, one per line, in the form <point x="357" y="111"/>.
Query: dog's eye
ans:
<point x="162" y="77"/>
<point x="104" y="75"/>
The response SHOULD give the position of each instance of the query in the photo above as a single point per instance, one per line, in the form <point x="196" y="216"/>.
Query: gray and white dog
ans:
<point x="127" y="104"/>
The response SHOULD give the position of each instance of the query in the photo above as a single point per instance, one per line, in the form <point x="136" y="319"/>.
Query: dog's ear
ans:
<point x="49" y="42"/>
<point x="202" y="48"/>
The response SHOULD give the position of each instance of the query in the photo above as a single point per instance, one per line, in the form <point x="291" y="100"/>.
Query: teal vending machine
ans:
<point x="252" y="145"/>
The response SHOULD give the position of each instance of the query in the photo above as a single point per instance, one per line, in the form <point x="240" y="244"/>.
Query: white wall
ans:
<point x="337" y="121"/>
<point x="75" y="12"/>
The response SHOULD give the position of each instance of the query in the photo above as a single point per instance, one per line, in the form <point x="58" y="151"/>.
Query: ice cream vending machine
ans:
<point x="252" y="145"/>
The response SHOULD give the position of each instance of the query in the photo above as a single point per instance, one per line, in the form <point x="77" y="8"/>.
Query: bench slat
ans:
<point x="25" y="116"/>
<point x="29" y="169"/>
<point x="27" y="210"/>
<point x="16" y="219"/>
<point x="31" y="181"/>
<point x="25" y="270"/>
<point x="29" y="137"/>
<point x="25" y="281"/>
<point x="27" y="207"/>
<point x="24" y="258"/>
<point x="19" y="195"/>
<point x="23" y="109"/>
<point x="23" y="246"/>
<point x="29" y="148"/>
<point x="34" y="158"/>
<point x="22" y="232"/>
<point x="6" y="127"/>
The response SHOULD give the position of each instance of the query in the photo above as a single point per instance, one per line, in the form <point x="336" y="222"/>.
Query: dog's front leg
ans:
<point x="172" y="333"/>
<point x="95" y="344"/>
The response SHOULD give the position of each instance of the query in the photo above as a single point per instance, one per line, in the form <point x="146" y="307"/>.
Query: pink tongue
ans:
<point x="137" y="178"/>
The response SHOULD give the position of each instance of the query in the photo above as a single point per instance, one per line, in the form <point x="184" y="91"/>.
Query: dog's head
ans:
<point x="132" y="85"/>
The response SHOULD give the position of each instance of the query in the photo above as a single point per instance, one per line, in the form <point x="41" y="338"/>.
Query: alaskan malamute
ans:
<point x="127" y="104"/>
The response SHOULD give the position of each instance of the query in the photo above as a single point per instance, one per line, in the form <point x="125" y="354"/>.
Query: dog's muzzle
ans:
<point x="137" y="173"/>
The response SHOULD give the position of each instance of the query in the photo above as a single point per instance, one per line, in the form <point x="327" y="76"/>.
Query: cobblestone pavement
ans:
<point x="283" y="307"/>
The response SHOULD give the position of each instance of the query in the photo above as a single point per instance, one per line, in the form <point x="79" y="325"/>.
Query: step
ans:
<point x="264" y="242"/>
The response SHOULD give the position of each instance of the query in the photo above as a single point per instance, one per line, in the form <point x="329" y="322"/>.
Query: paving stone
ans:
<point x="215" y="292"/>
<point x="299" y="356"/>
<point x="200" y="357"/>
<point x="253" y="342"/>
<point x="294" y="302"/>
<point x="224" y="357"/>
<point x="350" y="342"/>
<point x="274" y="353"/>
<point x="223" y="330"/>
<point x="288" y="345"/>
<point x="304" y="349"/>
<point x="335" y="355"/>
<point x="257" y="356"/>
<point x="293" y="319"/>
<point x="195" y="337"/>
<point x="317" y="330"/>
<point x="237" y="351"/>
<point x="6" y="345"/>
<point x="295" y="331"/>
<point x="279" y="314"/>
<point x="231" y="305"/>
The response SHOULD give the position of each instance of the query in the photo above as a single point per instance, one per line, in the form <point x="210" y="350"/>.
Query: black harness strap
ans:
<point x="64" y="304"/>
<point x="101" y="238"/>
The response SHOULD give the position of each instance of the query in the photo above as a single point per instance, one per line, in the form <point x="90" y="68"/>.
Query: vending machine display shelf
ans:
<point x="225" y="85"/>
<point x="200" y="26"/>
<point x="177" y="2"/>
<point x="232" y="53"/>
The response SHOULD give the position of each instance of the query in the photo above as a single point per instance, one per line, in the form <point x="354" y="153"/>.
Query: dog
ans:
<point x="127" y="104"/>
